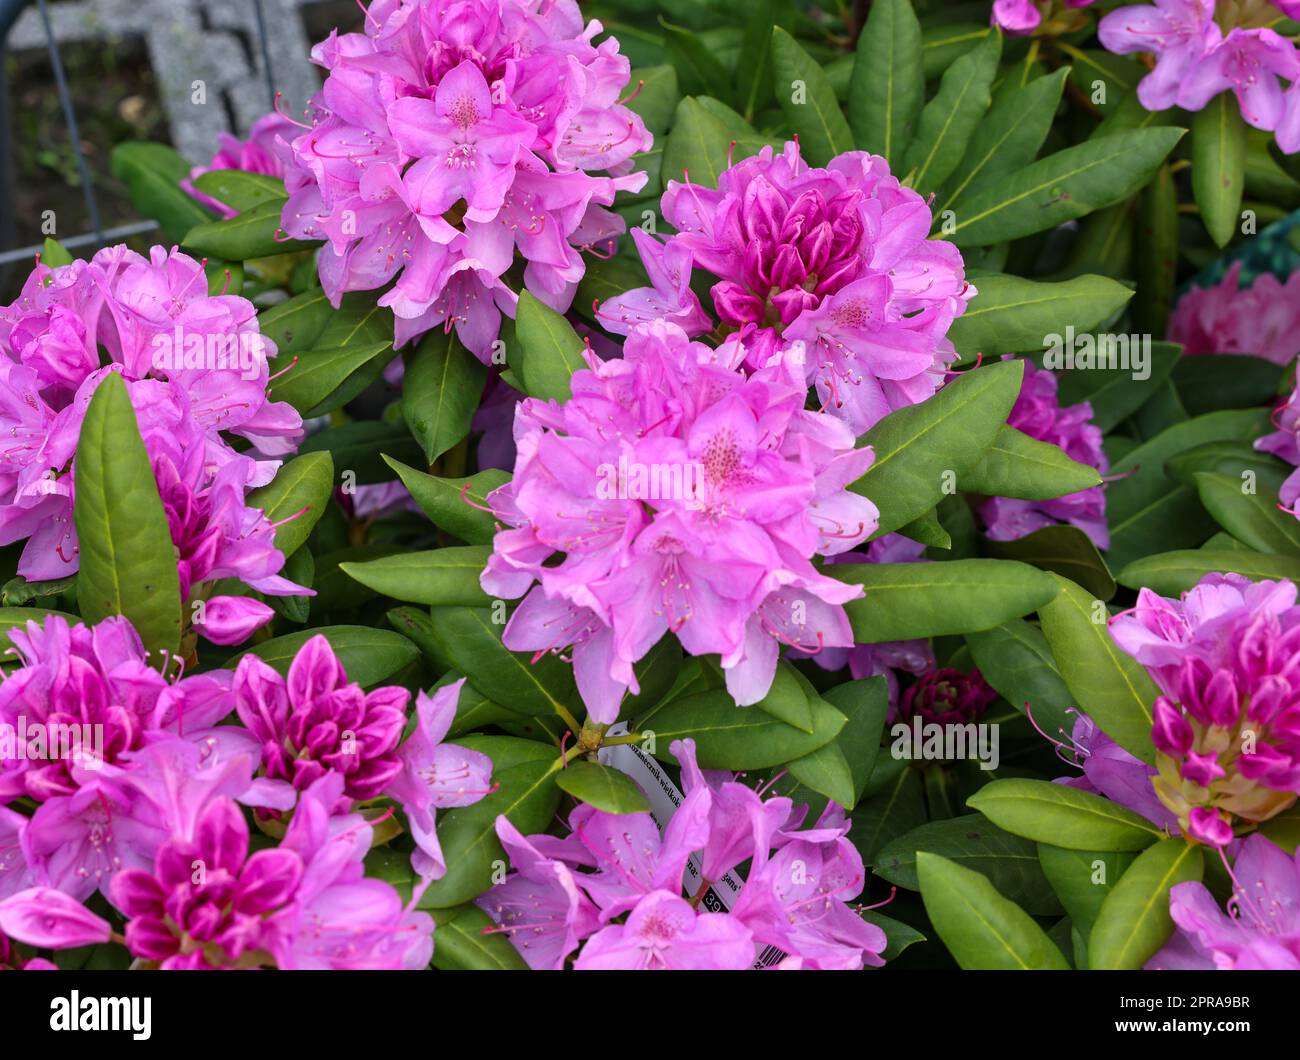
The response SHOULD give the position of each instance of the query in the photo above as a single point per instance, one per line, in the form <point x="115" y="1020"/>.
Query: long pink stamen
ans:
<point x="286" y="368"/>
<point x="464" y="496"/>
<point x="291" y="518"/>
<point x="628" y="99"/>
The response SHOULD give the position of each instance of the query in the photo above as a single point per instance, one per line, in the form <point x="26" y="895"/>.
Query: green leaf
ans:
<point x="892" y="803"/>
<point x="927" y="530"/>
<point x="1063" y="186"/>
<point x="1016" y="465"/>
<point x="1226" y="381"/>
<point x="887" y="88"/>
<point x="527" y="794"/>
<point x="467" y="939"/>
<point x="1014" y="658"/>
<point x="754" y="68"/>
<point x="942" y="45"/>
<point x="18" y="617"/>
<point x="240" y="189"/>
<point x="1134" y="921"/>
<point x="18" y="591"/>
<point x="730" y="737"/>
<point x="1009" y="137"/>
<point x="469" y="638"/>
<point x="297" y="323"/>
<point x="657" y="97"/>
<point x="699" y="72"/>
<point x="948" y="121"/>
<point x="787" y="700"/>
<point x="816" y="117"/>
<point x="441" y="391"/>
<point x="447" y="577"/>
<point x="1219" y="165"/>
<point x="315" y="385"/>
<point x="550" y="350"/>
<point x="918" y="448"/>
<point x="362" y="446"/>
<point x="1063" y="549"/>
<point x="602" y="787"/>
<point x="981" y="928"/>
<point x="827" y="772"/>
<point x="1110" y="686"/>
<point x="250" y="235"/>
<point x="368" y="655"/>
<point x="152" y="173"/>
<point x="1116" y="395"/>
<point x="1082" y="879"/>
<point x="1014" y="315"/>
<point x="1252" y="518"/>
<point x="898" y="935"/>
<point x="54" y="253"/>
<point x="865" y="703"/>
<point x="1172" y="573"/>
<point x="904" y="601"/>
<point x="1157" y="254"/>
<point x="974" y="842"/>
<point x="303" y="485"/>
<point x="700" y="141"/>
<point x="1062" y="815"/>
<point x="128" y="560"/>
<point x="454" y="504"/>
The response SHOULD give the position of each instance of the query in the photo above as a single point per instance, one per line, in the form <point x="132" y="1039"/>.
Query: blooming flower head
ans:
<point x="613" y="889"/>
<point x="260" y="153"/>
<point x="1259" y="930"/>
<point x="677" y="496"/>
<point x="1019" y="17"/>
<point x="1226" y="726"/>
<point x="1039" y="414"/>
<point x="1262" y="320"/>
<point x="73" y="716"/>
<point x="195" y="367"/>
<point x="1180" y="33"/>
<point x="831" y="268"/>
<point x="448" y="135"/>
<point x="946" y="696"/>
<point x="208" y="903"/>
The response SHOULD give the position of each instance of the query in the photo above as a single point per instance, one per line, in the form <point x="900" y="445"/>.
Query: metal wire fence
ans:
<point x="96" y="234"/>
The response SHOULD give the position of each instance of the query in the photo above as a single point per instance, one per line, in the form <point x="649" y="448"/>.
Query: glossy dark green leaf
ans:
<point x="1062" y="815"/>
<point x="454" y="504"/>
<point x="887" y="88"/>
<point x="440" y="392"/>
<point x="1015" y="465"/>
<point x="1063" y="549"/>
<point x="809" y="102"/>
<point x="1134" y="920"/>
<point x="1219" y="165"/>
<point x="152" y="173"/>
<point x="602" y="787"/>
<point x="444" y="577"/>
<point x="368" y="655"/>
<point x="303" y="485"/>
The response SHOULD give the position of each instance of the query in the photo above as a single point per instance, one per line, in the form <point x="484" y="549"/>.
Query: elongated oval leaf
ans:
<point x="466" y="939"/>
<point x="887" y="87"/>
<point x="602" y="787"/>
<point x="1082" y="879"/>
<point x="253" y="234"/>
<point x="1219" y="165"/>
<point x="441" y="577"/>
<point x="1172" y="573"/>
<point x="806" y="96"/>
<point x="908" y="600"/>
<point x="240" y="189"/>
<point x="550" y="350"/>
<point x="1110" y="686"/>
<point x="1134" y="921"/>
<point x="315" y="385"/>
<point x="303" y="485"/>
<point x="153" y="172"/>
<point x="1015" y="660"/>
<point x="1063" y="186"/>
<point x="1251" y="517"/>
<point x="1016" y="465"/>
<point x="128" y="560"/>
<point x="441" y="391"/>
<point x="368" y="655"/>
<point x="981" y="928"/>
<point x="1062" y="815"/>
<point x="1063" y="549"/>
<point x="455" y="504"/>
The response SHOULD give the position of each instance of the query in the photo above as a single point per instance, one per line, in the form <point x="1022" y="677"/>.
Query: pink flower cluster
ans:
<point x="447" y="136"/>
<point x="135" y="777"/>
<point x="196" y="370"/>
<point x="674" y="494"/>
<point x="1196" y="59"/>
<point x="829" y="268"/>
<point x="1227" y="723"/>
<point x="1262" y="320"/>
<point x="263" y="152"/>
<point x="1284" y="443"/>
<point x="1039" y="414"/>
<point x="570" y="892"/>
<point x="1019" y="17"/>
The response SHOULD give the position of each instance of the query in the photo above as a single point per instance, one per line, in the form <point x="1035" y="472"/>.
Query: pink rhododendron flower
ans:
<point x="830" y="267"/>
<point x="260" y="153"/>
<point x="449" y="135"/>
<point x="85" y="701"/>
<point x="571" y="893"/>
<point x="196" y="369"/>
<point x="1261" y="928"/>
<point x="1262" y="320"/>
<point x="748" y="486"/>
<point x="303" y="904"/>
<point x="1039" y="414"/>
<point x="1227" y="730"/>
